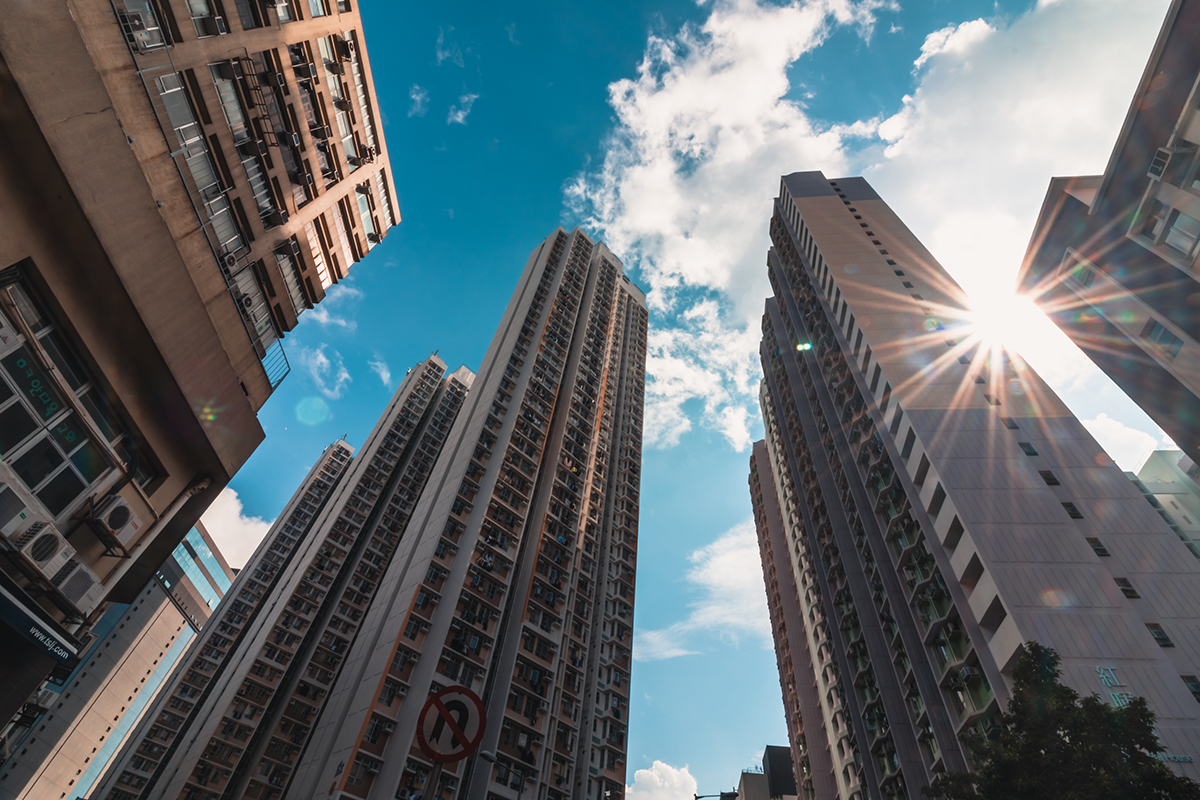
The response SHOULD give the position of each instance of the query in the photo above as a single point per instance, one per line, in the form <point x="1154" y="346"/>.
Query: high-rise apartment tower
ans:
<point x="926" y="504"/>
<point x="253" y="700"/>
<point x="179" y="188"/>
<point x="516" y="576"/>
<point x="1113" y="258"/>
<point x="136" y="766"/>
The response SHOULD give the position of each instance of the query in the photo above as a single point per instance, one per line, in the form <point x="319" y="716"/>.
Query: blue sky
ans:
<point x="663" y="127"/>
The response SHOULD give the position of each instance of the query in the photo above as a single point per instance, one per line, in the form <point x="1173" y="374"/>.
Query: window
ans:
<point x="938" y="499"/>
<point x="1072" y="511"/>
<point x="907" y="285"/>
<point x="917" y="297"/>
<point x="875" y="378"/>
<point x="1193" y="685"/>
<point x="1049" y="477"/>
<point x="1127" y="588"/>
<point x="896" y="419"/>
<point x="1009" y="423"/>
<point x="992" y="401"/>
<point x="1159" y="635"/>
<point x="42" y="436"/>
<point x="964" y="359"/>
<point x="1027" y="448"/>
<point x="1182" y="234"/>
<point x="1083" y="275"/>
<point x="1098" y="547"/>
<point x="909" y="441"/>
<point x="922" y="471"/>
<point x="1165" y="342"/>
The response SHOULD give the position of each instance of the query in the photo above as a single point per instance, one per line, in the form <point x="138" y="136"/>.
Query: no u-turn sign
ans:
<point x="451" y="724"/>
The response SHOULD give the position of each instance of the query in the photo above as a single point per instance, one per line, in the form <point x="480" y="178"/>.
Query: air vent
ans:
<point x="44" y="548"/>
<point x="116" y="520"/>
<point x="79" y="585"/>
<point x="13" y="513"/>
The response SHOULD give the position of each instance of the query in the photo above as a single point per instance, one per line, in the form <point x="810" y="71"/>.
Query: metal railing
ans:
<point x="150" y="49"/>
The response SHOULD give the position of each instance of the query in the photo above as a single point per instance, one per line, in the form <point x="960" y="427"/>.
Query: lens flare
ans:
<point x="1056" y="598"/>
<point x="312" y="411"/>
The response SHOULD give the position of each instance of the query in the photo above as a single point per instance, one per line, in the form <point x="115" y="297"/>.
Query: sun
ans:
<point x="1002" y="320"/>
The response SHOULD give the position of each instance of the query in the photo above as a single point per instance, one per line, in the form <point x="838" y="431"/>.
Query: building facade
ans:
<point x="1168" y="482"/>
<point x="516" y="577"/>
<point x="178" y="190"/>
<point x="75" y="727"/>
<point x="938" y="506"/>
<point x="256" y="682"/>
<point x="1113" y="257"/>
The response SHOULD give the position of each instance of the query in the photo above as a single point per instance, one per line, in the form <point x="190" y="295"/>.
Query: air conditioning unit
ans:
<point x="81" y="587"/>
<point x="295" y="246"/>
<point x="14" y="515"/>
<point x="290" y="138"/>
<point x="322" y="132"/>
<point x="307" y="179"/>
<point x="276" y="217"/>
<point x="341" y="103"/>
<point x="276" y="79"/>
<point x="117" y="519"/>
<point x="335" y="67"/>
<point x="230" y="261"/>
<point x="968" y="674"/>
<point x="306" y="70"/>
<point x="44" y="547"/>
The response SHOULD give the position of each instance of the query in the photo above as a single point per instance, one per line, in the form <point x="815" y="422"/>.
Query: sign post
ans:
<point x="450" y="727"/>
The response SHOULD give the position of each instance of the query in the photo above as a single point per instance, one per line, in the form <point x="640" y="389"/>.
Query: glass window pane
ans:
<point x="1183" y="233"/>
<point x="38" y="462"/>
<point x="69" y="433"/>
<point x="29" y="310"/>
<point x="89" y="460"/>
<point x="15" y="427"/>
<point x="33" y="383"/>
<point x="63" y="358"/>
<point x="60" y="491"/>
<point x="101" y="413"/>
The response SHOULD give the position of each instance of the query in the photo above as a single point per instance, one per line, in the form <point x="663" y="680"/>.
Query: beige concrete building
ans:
<point x="938" y="505"/>
<point x="75" y="727"/>
<point x="516" y="576"/>
<point x="178" y="185"/>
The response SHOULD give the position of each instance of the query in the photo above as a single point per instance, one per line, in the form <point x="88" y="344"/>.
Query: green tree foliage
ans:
<point x="1055" y="745"/>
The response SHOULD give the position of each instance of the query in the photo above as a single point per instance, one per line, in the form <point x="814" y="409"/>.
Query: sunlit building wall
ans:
<point x="76" y="726"/>
<point x="1113" y="258"/>
<point x="516" y="576"/>
<point x="940" y="506"/>
<point x="178" y="189"/>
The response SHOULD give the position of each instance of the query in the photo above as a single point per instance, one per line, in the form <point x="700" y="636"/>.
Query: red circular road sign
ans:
<point x="451" y="724"/>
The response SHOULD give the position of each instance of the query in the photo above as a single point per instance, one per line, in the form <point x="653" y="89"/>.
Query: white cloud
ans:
<point x="1129" y="447"/>
<point x="324" y="314"/>
<point x="420" y="101"/>
<point x="449" y="53"/>
<point x="683" y="192"/>
<point x="953" y="39"/>
<point x="458" y="113"/>
<point x="380" y="368"/>
<point x="330" y="376"/>
<point x="707" y="126"/>
<point x="236" y="535"/>
<point x="511" y="30"/>
<point x="733" y="601"/>
<point x="662" y="782"/>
